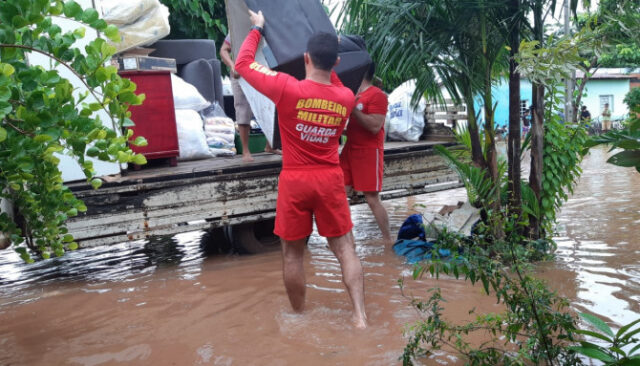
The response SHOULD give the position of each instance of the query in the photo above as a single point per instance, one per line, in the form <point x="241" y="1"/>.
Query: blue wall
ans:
<point x="616" y="87"/>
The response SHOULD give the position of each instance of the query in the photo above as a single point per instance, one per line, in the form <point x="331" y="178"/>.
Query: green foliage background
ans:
<point x="197" y="19"/>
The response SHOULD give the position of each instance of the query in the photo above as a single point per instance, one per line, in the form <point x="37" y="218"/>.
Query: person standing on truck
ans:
<point x="312" y="114"/>
<point x="240" y="103"/>
<point x="362" y="158"/>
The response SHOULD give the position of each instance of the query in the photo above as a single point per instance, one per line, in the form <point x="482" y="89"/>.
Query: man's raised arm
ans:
<point x="266" y="81"/>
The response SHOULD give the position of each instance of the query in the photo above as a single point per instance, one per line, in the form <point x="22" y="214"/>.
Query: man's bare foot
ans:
<point x="247" y="158"/>
<point x="359" y="322"/>
<point x="270" y="150"/>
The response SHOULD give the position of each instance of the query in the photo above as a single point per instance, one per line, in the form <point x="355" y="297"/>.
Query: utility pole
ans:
<point x="569" y="83"/>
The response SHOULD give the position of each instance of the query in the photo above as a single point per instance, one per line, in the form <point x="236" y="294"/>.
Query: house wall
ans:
<point x="501" y="96"/>
<point x="618" y="88"/>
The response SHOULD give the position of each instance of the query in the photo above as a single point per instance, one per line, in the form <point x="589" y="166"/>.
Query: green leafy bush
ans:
<point x="612" y="352"/>
<point x="562" y="155"/>
<point x="197" y="19"/>
<point x="41" y="115"/>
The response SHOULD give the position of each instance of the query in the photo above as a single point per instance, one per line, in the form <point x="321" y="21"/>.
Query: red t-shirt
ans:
<point x="311" y="115"/>
<point x="371" y="101"/>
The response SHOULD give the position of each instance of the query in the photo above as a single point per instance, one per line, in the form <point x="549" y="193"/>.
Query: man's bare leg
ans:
<point x="344" y="249"/>
<point x="244" y="139"/>
<point x="380" y="213"/>
<point x="293" y="272"/>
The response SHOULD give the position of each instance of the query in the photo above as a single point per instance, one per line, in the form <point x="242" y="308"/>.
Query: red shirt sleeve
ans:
<point x="378" y="103"/>
<point x="266" y="81"/>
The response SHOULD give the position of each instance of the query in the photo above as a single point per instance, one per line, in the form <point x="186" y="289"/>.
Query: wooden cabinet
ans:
<point x="155" y="119"/>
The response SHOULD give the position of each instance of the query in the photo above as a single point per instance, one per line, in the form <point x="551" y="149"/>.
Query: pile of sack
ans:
<point x="204" y="130"/>
<point x="140" y="22"/>
<point x="220" y="131"/>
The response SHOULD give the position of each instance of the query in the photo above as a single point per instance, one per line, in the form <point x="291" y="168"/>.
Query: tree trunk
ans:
<point x="476" y="147"/>
<point x="492" y="155"/>
<point x="575" y="102"/>
<point x="537" y="146"/>
<point x="537" y="128"/>
<point x="513" y="143"/>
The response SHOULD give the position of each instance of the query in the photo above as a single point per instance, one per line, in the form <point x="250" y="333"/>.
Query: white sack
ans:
<point x="151" y="27"/>
<point x="405" y="122"/>
<point x="121" y="12"/>
<point x="460" y="220"/>
<point x="191" y="137"/>
<point x="186" y="96"/>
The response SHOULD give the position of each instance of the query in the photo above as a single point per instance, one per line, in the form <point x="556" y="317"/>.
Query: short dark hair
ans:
<point x="368" y="76"/>
<point x="323" y="50"/>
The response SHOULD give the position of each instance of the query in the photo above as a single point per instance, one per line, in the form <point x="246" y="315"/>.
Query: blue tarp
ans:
<point x="417" y="250"/>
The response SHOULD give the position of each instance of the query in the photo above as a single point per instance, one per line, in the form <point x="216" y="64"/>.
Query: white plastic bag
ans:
<point x="186" y="96"/>
<point x="460" y="220"/>
<point x="220" y="130"/>
<point x="121" y="12"/>
<point x="191" y="138"/>
<point x="220" y="141"/>
<point x="152" y="26"/>
<point x="222" y="152"/>
<point x="405" y="122"/>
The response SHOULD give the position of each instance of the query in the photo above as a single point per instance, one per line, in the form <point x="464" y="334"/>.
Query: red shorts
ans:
<point x="304" y="193"/>
<point x="363" y="168"/>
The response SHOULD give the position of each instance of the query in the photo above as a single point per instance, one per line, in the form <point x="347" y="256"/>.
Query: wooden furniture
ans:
<point x="155" y="119"/>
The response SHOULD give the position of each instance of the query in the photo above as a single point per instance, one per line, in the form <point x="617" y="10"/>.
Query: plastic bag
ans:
<point x="191" y="138"/>
<point x="460" y="220"/>
<point x="406" y="123"/>
<point x="149" y="28"/>
<point x="222" y="152"/>
<point x="214" y="110"/>
<point x="219" y="129"/>
<point x="121" y="12"/>
<point x="221" y="141"/>
<point x="186" y="96"/>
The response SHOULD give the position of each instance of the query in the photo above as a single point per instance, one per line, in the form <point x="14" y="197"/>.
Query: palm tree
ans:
<point x="443" y="44"/>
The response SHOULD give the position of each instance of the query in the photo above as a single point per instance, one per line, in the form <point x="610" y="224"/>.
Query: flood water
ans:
<point x="166" y="302"/>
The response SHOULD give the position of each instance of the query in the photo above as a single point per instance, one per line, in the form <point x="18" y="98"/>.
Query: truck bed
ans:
<point x="211" y="193"/>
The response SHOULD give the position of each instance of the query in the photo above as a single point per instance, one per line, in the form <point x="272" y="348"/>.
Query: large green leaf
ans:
<point x="628" y="158"/>
<point x="598" y="323"/>
<point x="593" y="353"/>
<point x="626" y="327"/>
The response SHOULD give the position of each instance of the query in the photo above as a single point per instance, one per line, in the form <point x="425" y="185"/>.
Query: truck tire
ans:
<point x="215" y="241"/>
<point x="255" y="237"/>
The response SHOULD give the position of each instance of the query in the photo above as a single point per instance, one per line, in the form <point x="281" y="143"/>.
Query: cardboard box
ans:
<point x="144" y="63"/>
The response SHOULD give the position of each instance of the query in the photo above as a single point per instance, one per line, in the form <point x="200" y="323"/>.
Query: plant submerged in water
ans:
<point x="535" y="328"/>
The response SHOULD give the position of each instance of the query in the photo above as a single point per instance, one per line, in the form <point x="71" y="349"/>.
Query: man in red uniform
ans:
<point x="362" y="156"/>
<point x="312" y="114"/>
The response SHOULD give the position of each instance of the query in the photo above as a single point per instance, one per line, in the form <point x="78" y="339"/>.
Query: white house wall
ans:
<point x="618" y="88"/>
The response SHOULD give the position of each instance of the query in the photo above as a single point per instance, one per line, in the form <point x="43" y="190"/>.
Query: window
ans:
<point x="523" y="106"/>
<point x="606" y="99"/>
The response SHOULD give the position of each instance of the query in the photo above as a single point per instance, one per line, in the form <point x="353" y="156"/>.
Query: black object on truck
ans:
<point x="289" y="25"/>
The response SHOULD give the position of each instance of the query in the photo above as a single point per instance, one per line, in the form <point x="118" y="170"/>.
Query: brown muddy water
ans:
<point x="166" y="302"/>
